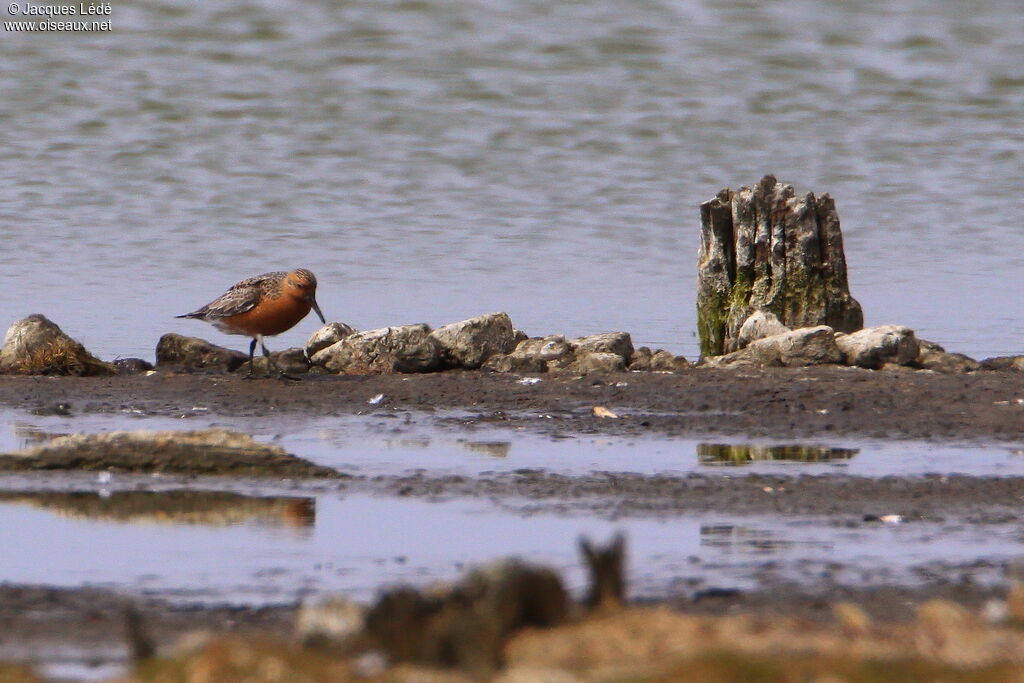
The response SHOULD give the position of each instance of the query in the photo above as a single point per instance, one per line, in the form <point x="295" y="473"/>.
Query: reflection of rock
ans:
<point x="873" y="347"/>
<point x="194" y="353"/>
<point x="211" y="451"/>
<point x="211" y="508"/>
<point x="806" y="346"/>
<point x="468" y="343"/>
<point x="495" y="449"/>
<point x="739" y="454"/>
<point x="37" y="346"/>
<point x="409" y="348"/>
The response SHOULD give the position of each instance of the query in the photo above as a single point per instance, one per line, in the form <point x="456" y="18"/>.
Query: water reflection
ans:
<point x="495" y="449"/>
<point x="741" y="454"/>
<point x="752" y="540"/>
<point x="207" y="508"/>
<point x="28" y="435"/>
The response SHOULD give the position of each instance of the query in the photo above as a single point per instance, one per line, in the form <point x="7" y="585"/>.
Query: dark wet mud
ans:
<point x="781" y="403"/>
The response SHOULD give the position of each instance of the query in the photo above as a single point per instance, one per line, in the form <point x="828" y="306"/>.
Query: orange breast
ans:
<point x="270" y="316"/>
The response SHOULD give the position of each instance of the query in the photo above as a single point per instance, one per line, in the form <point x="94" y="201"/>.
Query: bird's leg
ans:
<point x="271" y="365"/>
<point x="252" y="350"/>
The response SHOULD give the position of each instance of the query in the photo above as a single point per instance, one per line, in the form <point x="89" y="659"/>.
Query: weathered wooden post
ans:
<point x="767" y="249"/>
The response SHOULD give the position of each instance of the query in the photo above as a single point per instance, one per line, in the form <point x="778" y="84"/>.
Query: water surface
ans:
<point x="433" y="161"/>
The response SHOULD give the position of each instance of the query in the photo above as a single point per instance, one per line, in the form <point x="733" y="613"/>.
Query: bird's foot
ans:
<point x="285" y="377"/>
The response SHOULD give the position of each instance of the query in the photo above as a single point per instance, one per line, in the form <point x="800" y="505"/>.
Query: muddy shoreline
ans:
<point x="790" y="404"/>
<point x="778" y="403"/>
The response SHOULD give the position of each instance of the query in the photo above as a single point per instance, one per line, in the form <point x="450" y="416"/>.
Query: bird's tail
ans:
<point x="194" y="314"/>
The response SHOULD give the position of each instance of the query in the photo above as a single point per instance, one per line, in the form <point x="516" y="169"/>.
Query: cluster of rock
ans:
<point x="766" y="342"/>
<point x="37" y="346"/>
<point x="487" y="342"/>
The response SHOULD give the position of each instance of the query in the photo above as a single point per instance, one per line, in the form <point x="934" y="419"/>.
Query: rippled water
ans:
<point x="436" y="160"/>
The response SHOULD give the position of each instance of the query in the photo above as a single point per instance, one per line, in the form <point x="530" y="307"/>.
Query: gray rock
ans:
<point x="291" y="361"/>
<point x="873" y="347"/>
<point x="520" y="336"/>
<point x="802" y="347"/>
<point x="209" y="451"/>
<point x="194" y="354"/>
<point x="533" y="355"/>
<point x="595" y="361"/>
<point x="329" y="334"/>
<point x="619" y="343"/>
<point x="37" y="346"/>
<point x="132" y="366"/>
<point x="468" y="343"/>
<point x="514" y="362"/>
<point x="645" y="360"/>
<point x="759" y="325"/>
<point x="406" y="348"/>
<point x="1013" y="363"/>
<point x="553" y="347"/>
<point x="934" y="357"/>
<point x="768" y="249"/>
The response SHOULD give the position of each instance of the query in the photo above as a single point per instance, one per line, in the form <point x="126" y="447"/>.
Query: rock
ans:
<point x="210" y="451"/>
<point x="37" y="346"/>
<point x="468" y="343"/>
<point x="553" y="347"/>
<point x="619" y="343"/>
<point x="333" y="620"/>
<point x="407" y="348"/>
<point x="759" y="325"/>
<point x="934" y="357"/>
<point x="291" y="361"/>
<point x="132" y="366"/>
<point x="520" y="336"/>
<point x="329" y="334"/>
<point x="514" y="362"/>
<point x="1004" y="363"/>
<point x="590" y="362"/>
<point x="645" y="360"/>
<point x="875" y="346"/>
<point x="767" y="249"/>
<point x="802" y="347"/>
<point x="194" y="354"/>
<point x="533" y="355"/>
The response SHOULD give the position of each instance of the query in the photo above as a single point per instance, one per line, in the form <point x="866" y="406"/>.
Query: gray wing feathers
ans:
<point x="240" y="298"/>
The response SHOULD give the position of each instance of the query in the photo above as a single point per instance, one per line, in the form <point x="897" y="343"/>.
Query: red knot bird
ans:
<point x="262" y="306"/>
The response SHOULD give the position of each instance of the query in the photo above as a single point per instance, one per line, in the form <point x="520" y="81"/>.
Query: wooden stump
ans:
<point x="767" y="249"/>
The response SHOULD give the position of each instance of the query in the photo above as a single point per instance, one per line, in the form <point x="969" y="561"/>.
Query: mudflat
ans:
<point x="783" y="403"/>
<point x="812" y="403"/>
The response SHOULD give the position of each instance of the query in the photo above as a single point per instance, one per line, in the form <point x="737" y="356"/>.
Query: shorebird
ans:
<point x="262" y="306"/>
